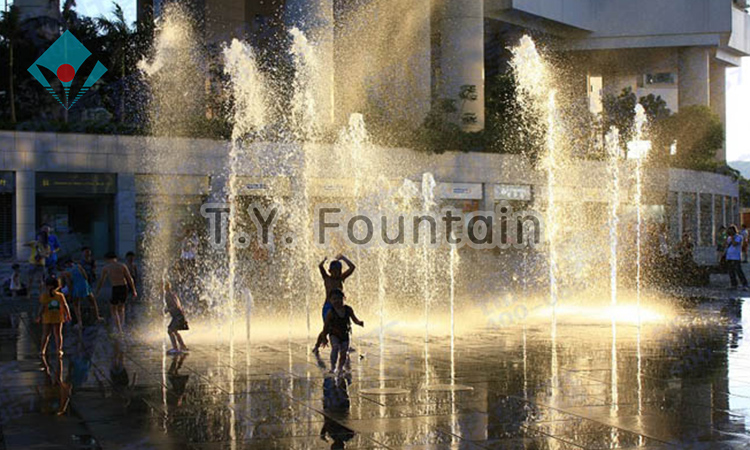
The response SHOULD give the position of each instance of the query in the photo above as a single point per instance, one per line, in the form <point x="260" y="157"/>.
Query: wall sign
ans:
<point x="7" y="182"/>
<point x="75" y="183"/>
<point x="513" y="192"/>
<point x="465" y="191"/>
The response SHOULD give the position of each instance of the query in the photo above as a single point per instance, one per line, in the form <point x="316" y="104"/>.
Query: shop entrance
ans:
<point x="78" y="222"/>
<point x="80" y="209"/>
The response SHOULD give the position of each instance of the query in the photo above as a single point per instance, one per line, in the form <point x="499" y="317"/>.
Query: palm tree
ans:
<point x="10" y="29"/>
<point x="119" y="37"/>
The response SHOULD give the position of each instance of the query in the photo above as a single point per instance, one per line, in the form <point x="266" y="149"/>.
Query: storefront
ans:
<point x="80" y="209"/>
<point x="7" y="189"/>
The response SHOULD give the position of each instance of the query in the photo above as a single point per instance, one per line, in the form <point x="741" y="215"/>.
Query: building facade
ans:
<point x="676" y="49"/>
<point x="99" y="190"/>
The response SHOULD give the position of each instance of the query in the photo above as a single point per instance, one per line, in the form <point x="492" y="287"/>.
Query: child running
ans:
<point x="79" y="289"/>
<point x="119" y="277"/>
<point x="338" y="327"/>
<point x="178" y="323"/>
<point x="333" y="280"/>
<point x="53" y="312"/>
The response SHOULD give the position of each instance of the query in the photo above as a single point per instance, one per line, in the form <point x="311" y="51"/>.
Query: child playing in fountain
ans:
<point x="338" y="327"/>
<point x="333" y="280"/>
<point x="53" y="312"/>
<point x="79" y="289"/>
<point x="178" y="323"/>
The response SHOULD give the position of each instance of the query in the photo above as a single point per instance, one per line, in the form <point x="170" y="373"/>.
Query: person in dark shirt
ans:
<point x="333" y="279"/>
<point x="338" y="328"/>
<point x="89" y="264"/>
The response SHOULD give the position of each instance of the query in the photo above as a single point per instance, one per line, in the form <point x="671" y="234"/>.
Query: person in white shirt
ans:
<point x="734" y="257"/>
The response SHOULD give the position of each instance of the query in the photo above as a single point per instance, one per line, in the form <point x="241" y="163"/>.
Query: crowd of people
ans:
<point x="64" y="286"/>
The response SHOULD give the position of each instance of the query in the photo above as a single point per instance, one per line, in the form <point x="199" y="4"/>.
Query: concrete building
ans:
<point x="99" y="190"/>
<point x="675" y="49"/>
<point x="38" y="8"/>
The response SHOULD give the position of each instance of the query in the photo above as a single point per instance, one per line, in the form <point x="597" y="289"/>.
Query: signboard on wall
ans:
<point x="512" y="192"/>
<point x="187" y="185"/>
<point x="331" y="187"/>
<point x="7" y="182"/>
<point x="464" y="191"/>
<point x="264" y="186"/>
<point x="75" y="183"/>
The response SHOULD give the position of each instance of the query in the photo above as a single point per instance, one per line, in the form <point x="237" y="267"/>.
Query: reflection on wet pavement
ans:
<point x="681" y="385"/>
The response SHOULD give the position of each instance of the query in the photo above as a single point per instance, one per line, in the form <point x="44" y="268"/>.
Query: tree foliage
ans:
<point x="698" y="133"/>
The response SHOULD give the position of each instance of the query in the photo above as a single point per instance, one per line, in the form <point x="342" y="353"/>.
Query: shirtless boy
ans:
<point x="119" y="278"/>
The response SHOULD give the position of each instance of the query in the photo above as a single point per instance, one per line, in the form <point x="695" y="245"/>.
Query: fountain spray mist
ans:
<point x="638" y="149"/>
<point x="614" y="155"/>
<point x="249" y="117"/>
<point x="537" y="95"/>
<point x="170" y="71"/>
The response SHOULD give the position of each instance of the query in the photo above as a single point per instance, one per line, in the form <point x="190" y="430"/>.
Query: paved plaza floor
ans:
<point x="684" y="385"/>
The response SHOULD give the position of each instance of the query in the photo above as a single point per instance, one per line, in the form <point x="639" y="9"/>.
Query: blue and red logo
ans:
<point x="64" y="58"/>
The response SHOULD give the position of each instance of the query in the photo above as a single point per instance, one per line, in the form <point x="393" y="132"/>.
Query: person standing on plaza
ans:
<point x="734" y="257"/>
<point x="78" y="290"/>
<point x="54" y="244"/>
<point x="89" y="264"/>
<point x="721" y="248"/>
<point x="178" y="322"/>
<point x="188" y="251"/>
<point x="333" y="279"/>
<point x="53" y="312"/>
<point x="119" y="277"/>
<point x="15" y="285"/>
<point x="338" y="328"/>
<point x="40" y="250"/>
<point x="745" y="236"/>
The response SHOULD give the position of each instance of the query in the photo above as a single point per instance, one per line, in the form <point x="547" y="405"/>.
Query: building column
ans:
<point x="25" y="211"/>
<point x="679" y="216"/>
<point x="694" y="76"/>
<point x="488" y="196"/>
<point x="698" y="219"/>
<point x="723" y="211"/>
<point x="718" y="99"/>
<point x="462" y="61"/>
<point x="125" y="214"/>
<point x="713" y="219"/>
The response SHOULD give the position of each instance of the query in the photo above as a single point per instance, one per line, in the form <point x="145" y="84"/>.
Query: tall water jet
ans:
<point x="249" y="117"/>
<point x="171" y="70"/>
<point x="307" y="126"/>
<point x="428" y="203"/>
<point x="551" y="212"/>
<point x="537" y="95"/>
<point x="638" y="150"/>
<point x="452" y="271"/>
<point x="614" y="155"/>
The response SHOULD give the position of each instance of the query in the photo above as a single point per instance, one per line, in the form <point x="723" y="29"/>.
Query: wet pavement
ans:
<point x="684" y="384"/>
